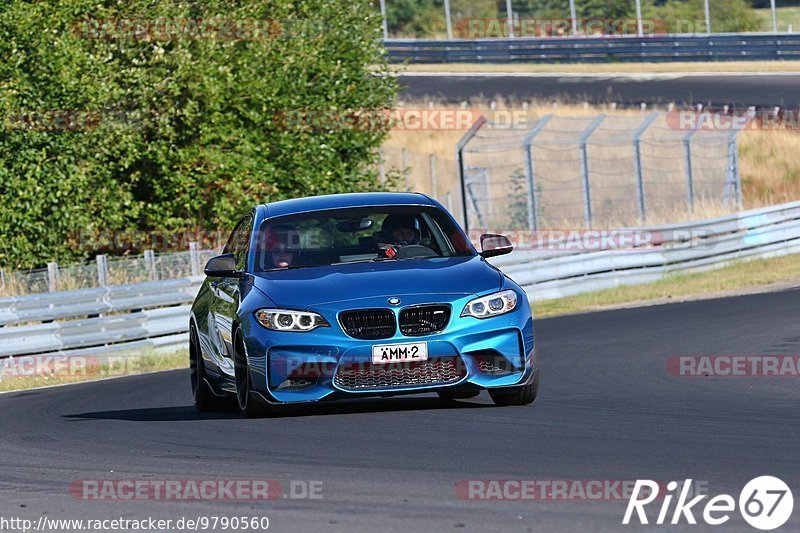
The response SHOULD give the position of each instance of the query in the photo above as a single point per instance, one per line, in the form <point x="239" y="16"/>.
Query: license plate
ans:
<point x="393" y="353"/>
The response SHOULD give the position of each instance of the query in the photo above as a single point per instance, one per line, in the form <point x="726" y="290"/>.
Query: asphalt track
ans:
<point x="608" y="410"/>
<point x="716" y="90"/>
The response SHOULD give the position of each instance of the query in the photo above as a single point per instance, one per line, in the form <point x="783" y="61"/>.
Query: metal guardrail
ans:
<point x="98" y="321"/>
<point x="155" y="314"/>
<point x="110" y="299"/>
<point x="653" y="48"/>
<point x="692" y="246"/>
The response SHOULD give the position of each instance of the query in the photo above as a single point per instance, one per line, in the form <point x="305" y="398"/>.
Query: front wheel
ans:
<point x="522" y="395"/>
<point x="249" y="404"/>
<point x="204" y="399"/>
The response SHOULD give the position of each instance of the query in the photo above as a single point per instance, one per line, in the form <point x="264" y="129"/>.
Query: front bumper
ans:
<point x="325" y="364"/>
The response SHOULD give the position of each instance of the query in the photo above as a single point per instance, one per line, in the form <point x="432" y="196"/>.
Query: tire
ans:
<point x="204" y="399"/>
<point x="249" y="403"/>
<point x="522" y="395"/>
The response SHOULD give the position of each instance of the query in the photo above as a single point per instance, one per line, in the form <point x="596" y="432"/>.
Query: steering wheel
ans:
<point x="414" y="250"/>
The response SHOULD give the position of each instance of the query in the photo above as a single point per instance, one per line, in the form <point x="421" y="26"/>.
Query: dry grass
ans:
<point x="788" y="18"/>
<point x="611" y="68"/>
<point x="770" y="166"/>
<point x="11" y="380"/>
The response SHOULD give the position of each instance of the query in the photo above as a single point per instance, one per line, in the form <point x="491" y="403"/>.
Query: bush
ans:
<point x="152" y="131"/>
<point x="687" y="16"/>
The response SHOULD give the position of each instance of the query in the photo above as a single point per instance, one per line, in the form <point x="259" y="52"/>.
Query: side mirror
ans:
<point x="222" y="266"/>
<point x="493" y="245"/>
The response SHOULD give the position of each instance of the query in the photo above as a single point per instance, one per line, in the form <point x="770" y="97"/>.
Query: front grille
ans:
<point x="368" y="323"/>
<point x="363" y="376"/>
<point x="424" y="319"/>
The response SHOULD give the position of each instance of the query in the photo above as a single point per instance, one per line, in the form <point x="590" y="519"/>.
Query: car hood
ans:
<point x="304" y="287"/>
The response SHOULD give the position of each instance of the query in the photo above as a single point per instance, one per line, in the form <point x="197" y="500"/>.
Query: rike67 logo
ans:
<point x="765" y="503"/>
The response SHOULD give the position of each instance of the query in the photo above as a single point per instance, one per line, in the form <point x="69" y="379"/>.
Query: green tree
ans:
<point x="185" y="130"/>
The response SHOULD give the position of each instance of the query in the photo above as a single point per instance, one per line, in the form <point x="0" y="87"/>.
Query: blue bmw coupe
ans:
<point x="357" y="295"/>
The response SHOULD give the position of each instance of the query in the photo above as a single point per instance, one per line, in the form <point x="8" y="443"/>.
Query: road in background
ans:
<point x="740" y="90"/>
<point x="608" y="410"/>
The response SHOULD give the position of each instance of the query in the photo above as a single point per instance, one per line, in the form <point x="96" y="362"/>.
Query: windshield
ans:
<point x="383" y="233"/>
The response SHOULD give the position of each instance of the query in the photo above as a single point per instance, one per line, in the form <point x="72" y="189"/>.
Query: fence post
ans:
<point x="2" y="279"/>
<point x="462" y="143"/>
<point x="448" y="200"/>
<point x="381" y="171"/>
<point x="587" y="193"/>
<point x="533" y="205"/>
<point x="687" y="161"/>
<point x="150" y="263"/>
<point x="737" y="174"/>
<point x="102" y="270"/>
<point x="510" y="19"/>
<point x="637" y="163"/>
<point x="194" y="258"/>
<point x="447" y="19"/>
<point x="52" y="276"/>
<point x="404" y="154"/>
<point x="432" y="160"/>
<point x="384" y="24"/>
<point x="733" y="180"/>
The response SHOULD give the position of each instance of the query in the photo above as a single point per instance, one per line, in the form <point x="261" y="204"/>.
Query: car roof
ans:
<point x="338" y="201"/>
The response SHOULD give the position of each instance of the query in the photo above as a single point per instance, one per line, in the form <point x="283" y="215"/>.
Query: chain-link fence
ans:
<point x="423" y="172"/>
<point x="597" y="171"/>
<point x="104" y="271"/>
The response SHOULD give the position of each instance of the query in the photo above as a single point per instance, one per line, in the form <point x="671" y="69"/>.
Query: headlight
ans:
<point x="288" y="320"/>
<point x="491" y="305"/>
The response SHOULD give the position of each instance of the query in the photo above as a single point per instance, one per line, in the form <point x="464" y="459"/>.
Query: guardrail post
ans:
<point x="194" y="258"/>
<point x="533" y="205"/>
<point x="462" y="143"/>
<point x="637" y="162"/>
<point x="432" y="160"/>
<point x="52" y="276"/>
<point x="587" y="193"/>
<point x="150" y="263"/>
<point x="102" y="270"/>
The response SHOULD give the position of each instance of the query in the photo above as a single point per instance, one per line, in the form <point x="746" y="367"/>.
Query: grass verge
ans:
<point x="739" y="278"/>
<point x="29" y="372"/>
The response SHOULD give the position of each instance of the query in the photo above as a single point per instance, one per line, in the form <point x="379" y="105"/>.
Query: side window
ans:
<point x="239" y="241"/>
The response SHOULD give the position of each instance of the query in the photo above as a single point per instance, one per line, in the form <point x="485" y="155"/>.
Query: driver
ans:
<point x="397" y="230"/>
<point x="400" y="230"/>
<point x="277" y="243"/>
